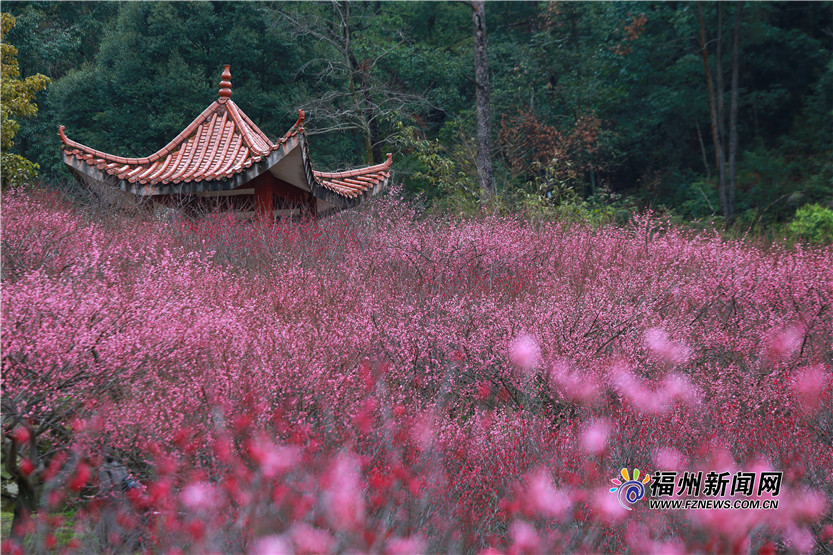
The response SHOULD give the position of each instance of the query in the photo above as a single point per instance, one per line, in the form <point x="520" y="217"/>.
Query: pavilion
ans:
<point x="223" y="158"/>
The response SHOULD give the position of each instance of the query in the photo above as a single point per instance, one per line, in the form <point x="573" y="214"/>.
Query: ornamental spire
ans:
<point x="225" y="85"/>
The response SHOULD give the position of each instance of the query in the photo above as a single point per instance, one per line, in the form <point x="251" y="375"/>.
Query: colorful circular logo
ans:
<point x="631" y="490"/>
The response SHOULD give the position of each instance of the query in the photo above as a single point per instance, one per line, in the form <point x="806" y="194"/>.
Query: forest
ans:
<point x="716" y="112"/>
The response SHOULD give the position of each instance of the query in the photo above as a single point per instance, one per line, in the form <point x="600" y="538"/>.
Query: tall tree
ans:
<point x="18" y="102"/>
<point x="349" y="50"/>
<point x="714" y="113"/>
<point x="733" y="113"/>
<point x="727" y="177"/>
<point x="484" y="116"/>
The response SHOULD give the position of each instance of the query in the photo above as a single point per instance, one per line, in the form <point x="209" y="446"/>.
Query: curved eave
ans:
<point x="339" y="201"/>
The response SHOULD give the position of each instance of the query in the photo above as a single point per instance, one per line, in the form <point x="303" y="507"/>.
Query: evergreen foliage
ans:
<point x="18" y="97"/>
<point x="607" y="97"/>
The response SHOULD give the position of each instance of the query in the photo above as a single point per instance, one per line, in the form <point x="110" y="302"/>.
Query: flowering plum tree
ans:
<point x="384" y="381"/>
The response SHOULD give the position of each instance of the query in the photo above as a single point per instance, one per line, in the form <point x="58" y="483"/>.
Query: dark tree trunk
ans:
<point x="706" y="165"/>
<point x="718" y="75"/>
<point x="26" y="502"/>
<point x="358" y="79"/>
<point x="373" y="126"/>
<point x="715" y="124"/>
<point x="24" y="506"/>
<point x="733" y="113"/>
<point x="484" y="117"/>
<point x="372" y="144"/>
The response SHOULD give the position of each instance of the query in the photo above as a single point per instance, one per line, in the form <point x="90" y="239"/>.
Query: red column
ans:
<point x="263" y="199"/>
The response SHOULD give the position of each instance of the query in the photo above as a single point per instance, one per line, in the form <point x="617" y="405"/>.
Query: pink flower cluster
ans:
<point x="383" y="381"/>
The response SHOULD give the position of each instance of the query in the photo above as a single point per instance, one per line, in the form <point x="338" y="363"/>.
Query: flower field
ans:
<point x="388" y="382"/>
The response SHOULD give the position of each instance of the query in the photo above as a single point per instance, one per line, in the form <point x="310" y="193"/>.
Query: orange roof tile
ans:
<point x="220" y="143"/>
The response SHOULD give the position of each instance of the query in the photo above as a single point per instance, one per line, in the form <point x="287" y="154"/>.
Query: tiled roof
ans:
<point x="219" y="144"/>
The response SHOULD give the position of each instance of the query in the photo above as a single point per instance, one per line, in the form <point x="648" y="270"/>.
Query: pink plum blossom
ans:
<point x="594" y="437"/>
<point x="525" y="352"/>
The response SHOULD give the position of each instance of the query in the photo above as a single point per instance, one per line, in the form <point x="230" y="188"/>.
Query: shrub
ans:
<point x="814" y="223"/>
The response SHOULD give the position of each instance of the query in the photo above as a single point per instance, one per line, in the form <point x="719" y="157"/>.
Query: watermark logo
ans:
<point x="631" y="490"/>
<point x="715" y="490"/>
<point x="699" y="490"/>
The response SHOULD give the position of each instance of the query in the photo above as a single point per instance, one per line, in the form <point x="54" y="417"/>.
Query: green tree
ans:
<point x="484" y="113"/>
<point x="351" y="55"/>
<point x="18" y="101"/>
<point x="158" y="65"/>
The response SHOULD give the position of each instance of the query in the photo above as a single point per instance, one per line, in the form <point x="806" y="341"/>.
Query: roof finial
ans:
<point x="225" y="85"/>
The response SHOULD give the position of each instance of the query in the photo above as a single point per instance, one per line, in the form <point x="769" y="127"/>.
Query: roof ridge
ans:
<point x="246" y="131"/>
<point x="254" y="127"/>
<point x="164" y="151"/>
<point x="185" y="133"/>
